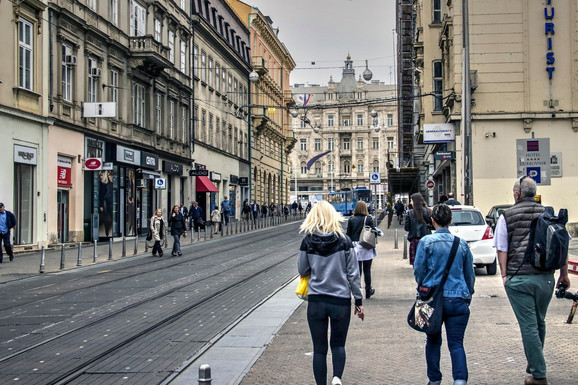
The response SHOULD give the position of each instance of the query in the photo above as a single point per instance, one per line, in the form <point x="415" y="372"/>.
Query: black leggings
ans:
<point x="365" y="268"/>
<point x="319" y="315"/>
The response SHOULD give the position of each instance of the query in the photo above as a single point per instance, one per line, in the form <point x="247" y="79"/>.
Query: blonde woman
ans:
<point x="216" y="219"/>
<point x="158" y="228"/>
<point x="327" y="255"/>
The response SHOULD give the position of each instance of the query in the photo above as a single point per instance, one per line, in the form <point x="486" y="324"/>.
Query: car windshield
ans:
<point x="467" y="218"/>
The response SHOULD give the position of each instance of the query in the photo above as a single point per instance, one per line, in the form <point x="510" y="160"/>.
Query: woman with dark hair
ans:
<point x="431" y="259"/>
<point x="418" y="223"/>
<point x="365" y="256"/>
<point x="178" y="228"/>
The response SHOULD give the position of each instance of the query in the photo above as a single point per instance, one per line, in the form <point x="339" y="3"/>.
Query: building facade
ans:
<point x="524" y="109"/>
<point x="345" y="132"/>
<point x="271" y="135"/>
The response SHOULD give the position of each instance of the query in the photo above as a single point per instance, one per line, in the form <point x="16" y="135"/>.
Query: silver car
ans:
<point x="468" y="223"/>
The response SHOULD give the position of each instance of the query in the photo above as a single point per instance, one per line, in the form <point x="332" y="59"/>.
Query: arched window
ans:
<point x="303" y="168"/>
<point x="317" y="168"/>
<point x="360" y="166"/>
<point x="346" y="167"/>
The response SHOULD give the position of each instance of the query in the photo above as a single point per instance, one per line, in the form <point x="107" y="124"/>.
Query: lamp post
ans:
<point x="375" y="125"/>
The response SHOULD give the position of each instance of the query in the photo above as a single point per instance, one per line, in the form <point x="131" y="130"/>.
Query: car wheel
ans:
<point x="492" y="268"/>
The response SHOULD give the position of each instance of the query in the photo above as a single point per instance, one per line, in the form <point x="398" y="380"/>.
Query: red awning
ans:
<point x="204" y="184"/>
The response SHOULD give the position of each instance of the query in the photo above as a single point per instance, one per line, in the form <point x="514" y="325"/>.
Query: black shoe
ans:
<point x="180" y="253"/>
<point x="174" y="254"/>
<point x="11" y="257"/>
<point x="161" y="254"/>
<point x="154" y="254"/>
<point x="369" y="293"/>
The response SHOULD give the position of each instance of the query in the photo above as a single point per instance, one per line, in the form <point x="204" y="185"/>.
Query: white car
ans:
<point x="469" y="224"/>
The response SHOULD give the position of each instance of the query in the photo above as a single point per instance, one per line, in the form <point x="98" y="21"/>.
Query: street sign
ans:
<point x="198" y="172"/>
<point x="374" y="178"/>
<point x="533" y="159"/>
<point x="160" y="184"/>
<point x="430" y="184"/>
<point x="99" y="110"/>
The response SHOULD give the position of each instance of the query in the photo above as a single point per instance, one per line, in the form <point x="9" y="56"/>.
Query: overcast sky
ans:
<point x="325" y="31"/>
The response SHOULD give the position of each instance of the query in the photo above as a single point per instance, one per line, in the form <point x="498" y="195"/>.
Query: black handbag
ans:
<point x="426" y="314"/>
<point x="150" y="235"/>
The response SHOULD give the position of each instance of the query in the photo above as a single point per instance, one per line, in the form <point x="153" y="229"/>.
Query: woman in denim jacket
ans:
<point x="430" y="261"/>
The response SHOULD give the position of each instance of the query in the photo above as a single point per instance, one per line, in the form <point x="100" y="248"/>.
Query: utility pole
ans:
<point x="467" y="107"/>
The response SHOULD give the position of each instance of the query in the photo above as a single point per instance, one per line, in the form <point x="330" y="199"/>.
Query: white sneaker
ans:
<point x="336" y="381"/>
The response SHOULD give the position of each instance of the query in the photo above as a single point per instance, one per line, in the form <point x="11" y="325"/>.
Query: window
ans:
<point x="211" y="72"/>
<point x="318" y="168"/>
<point x="302" y="125"/>
<point x="92" y="79"/>
<point x="230" y="141"/>
<point x="204" y="125"/>
<point x="218" y="135"/>
<point x="210" y="139"/>
<point x="330" y="122"/>
<point x="224" y="137"/>
<point x="317" y="144"/>
<point x="235" y="89"/>
<point x="159" y="113"/>
<point x="437" y="85"/>
<point x="303" y="144"/>
<point x="25" y="55"/>
<point x="437" y="11"/>
<point x="113" y="86"/>
<point x="137" y="19"/>
<point x="359" y="119"/>
<point x="158" y="30"/>
<point x="303" y="168"/>
<point x="114" y="12"/>
<point x="224" y="77"/>
<point x="389" y="120"/>
<point x="390" y="142"/>
<point x="196" y="61"/>
<point x="184" y="120"/>
<point x="230" y="86"/>
<point x="203" y="66"/>
<point x="329" y="96"/>
<point x="183" y="57"/>
<point x="375" y="143"/>
<point x="183" y="4"/>
<point x="91" y="4"/>
<point x="330" y="144"/>
<point x="218" y="77"/>
<point x="346" y="168"/>
<point x="172" y="46"/>
<point x="331" y="167"/>
<point x="360" y="143"/>
<point x="66" y="73"/>
<point x="376" y="166"/>
<point x="346" y="144"/>
<point x="138" y="105"/>
<point x="360" y="167"/>
<point x="346" y="121"/>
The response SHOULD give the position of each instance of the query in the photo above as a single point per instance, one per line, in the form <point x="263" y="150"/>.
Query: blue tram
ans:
<point x="344" y="201"/>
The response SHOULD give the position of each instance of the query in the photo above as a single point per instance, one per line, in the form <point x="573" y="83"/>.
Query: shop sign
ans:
<point x="127" y="155"/>
<point x="233" y="179"/>
<point x="25" y="155"/>
<point x="93" y="148"/>
<point x="556" y="164"/>
<point x="198" y="173"/>
<point x="92" y="164"/>
<point x="215" y="177"/>
<point x="439" y="133"/>
<point x="148" y="160"/>
<point x="243" y="181"/>
<point x="549" y="32"/>
<point x="64" y="165"/>
<point x="172" y="168"/>
<point x="445" y="155"/>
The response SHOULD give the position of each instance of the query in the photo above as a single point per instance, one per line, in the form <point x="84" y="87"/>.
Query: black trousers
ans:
<point x="365" y="268"/>
<point x="5" y="238"/>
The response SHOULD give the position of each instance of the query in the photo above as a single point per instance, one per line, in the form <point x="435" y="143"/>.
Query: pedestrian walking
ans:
<point x="417" y="223"/>
<point x="196" y="214"/>
<point x="255" y="209"/>
<point x="451" y="200"/>
<point x="300" y="208"/>
<point x="184" y="211"/>
<point x="529" y="290"/>
<point x="389" y="214"/>
<point x="432" y="255"/>
<point x="178" y="228"/>
<point x="326" y="254"/>
<point x="7" y="223"/>
<point x="294" y="206"/>
<point x="158" y="229"/>
<point x="365" y="256"/>
<point x="216" y="219"/>
<point x="264" y="210"/>
<point x="286" y="211"/>
<point x="246" y="210"/>
<point x="226" y="210"/>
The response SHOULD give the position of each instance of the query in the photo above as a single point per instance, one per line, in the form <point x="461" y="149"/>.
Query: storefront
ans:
<point x="175" y="187"/>
<point x="145" y="193"/>
<point x="25" y="161"/>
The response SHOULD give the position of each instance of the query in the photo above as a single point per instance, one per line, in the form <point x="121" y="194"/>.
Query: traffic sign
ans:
<point x="430" y="184"/>
<point x="374" y="178"/>
<point x="160" y="184"/>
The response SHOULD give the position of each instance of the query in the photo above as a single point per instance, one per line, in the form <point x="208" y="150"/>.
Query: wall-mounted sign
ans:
<point x="64" y="168"/>
<point x="549" y="32"/>
<point x="533" y="159"/>
<point x="92" y="164"/>
<point x="243" y="181"/>
<point x="172" y="168"/>
<point x="443" y="155"/>
<point x="556" y="164"/>
<point x="127" y="155"/>
<point x="148" y="160"/>
<point x="233" y="179"/>
<point x="25" y="155"/>
<point x="215" y="177"/>
<point x="198" y="173"/>
<point x="439" y="133"/>
<point x="94" y="148"/>
<point x="99" y="110"/>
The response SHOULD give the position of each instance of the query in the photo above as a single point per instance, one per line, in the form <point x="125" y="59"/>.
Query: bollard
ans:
<point x="205" y="232"/>
<point x="199" y="234"/>
<point x="395" y="246"/>
<point x="212" y="232"/>
<point x="94" y="254"/>
<point x="146" y="246"/>
<point x="405" y="247"/>
<point x="135" y="244"/>
<point x="205" y="374"/>
<point x="123" y="246"/>
<point x="79" y="258"/>
<point x="62" y="256"/>
<point x="110" y="249"/>
<point x="42" y="259"/>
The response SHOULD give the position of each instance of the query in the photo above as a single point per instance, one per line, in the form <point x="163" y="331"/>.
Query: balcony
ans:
<point x="259" y="65"/>
<point x="288" y="97"/>
<point x="148" y="54"/>
<point x="260" y="119"/>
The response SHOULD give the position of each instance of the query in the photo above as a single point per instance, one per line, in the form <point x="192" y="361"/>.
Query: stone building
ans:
<point x="345" y="132"/>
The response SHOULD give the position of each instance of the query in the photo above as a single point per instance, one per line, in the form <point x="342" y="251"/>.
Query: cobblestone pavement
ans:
<point x="384" y="350"/>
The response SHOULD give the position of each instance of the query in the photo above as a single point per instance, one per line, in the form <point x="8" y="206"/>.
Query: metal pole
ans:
<point x="94" y="254"/>
<point x="205" y="374"/>
<point x="79" y="258"/>
<point x="405" y="247"/>
<point x="206" y="231"/>
<point x="42" y="259"/>
<point x="395" y="246"/>
<point x="146" y="246"/>
<point x="135" y="244"/>
<point x="123" y="246"/>
<point x="467" y="106"/>
<point x="110" y="249"/>
<point x="62" y="257"/>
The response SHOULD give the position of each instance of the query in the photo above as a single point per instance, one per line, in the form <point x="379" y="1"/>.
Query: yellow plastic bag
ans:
<point x="302" y="287"/>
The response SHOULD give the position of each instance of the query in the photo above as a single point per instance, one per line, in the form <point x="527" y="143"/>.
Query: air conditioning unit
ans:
<point x="70" y="60"/>
<point x="95" y="72"/>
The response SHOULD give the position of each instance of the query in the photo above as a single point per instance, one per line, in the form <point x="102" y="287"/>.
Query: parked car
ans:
<point x="494" y="214"/>
<point x="468" y="223"/>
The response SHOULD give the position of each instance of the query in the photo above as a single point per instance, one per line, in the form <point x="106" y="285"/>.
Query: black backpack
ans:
<point x="548" y="245"/>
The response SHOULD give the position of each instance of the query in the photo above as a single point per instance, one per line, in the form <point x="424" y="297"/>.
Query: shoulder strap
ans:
<point x="453" y="252"/>
<point x="364" y="220"/>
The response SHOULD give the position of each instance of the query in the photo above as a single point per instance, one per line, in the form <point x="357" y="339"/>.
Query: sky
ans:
<point x="324" y="32"/>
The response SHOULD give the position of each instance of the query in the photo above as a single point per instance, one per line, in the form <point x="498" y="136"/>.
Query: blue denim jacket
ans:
<point x="431" y="258"/>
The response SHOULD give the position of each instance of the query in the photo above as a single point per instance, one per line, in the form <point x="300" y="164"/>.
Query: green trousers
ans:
<point x="530" y="296"/>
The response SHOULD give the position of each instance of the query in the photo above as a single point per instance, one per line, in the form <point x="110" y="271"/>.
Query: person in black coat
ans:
<point x="417" y="223"/>
<point x="7" y="223"/>
<point x="178" y="228"/>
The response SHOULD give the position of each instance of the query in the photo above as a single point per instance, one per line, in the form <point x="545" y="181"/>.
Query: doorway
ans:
<point x="62" y="220"/>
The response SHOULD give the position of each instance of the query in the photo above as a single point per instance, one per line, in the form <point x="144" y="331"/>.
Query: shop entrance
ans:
<point x="62" y="220"/>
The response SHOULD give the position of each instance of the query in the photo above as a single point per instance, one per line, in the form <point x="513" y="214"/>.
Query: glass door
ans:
<point x="62" y="221"/>
<point x="24" y="205"/>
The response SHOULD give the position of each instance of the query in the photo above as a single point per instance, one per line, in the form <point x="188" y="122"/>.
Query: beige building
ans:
<point x="346" y="131"/>
<point x="524" y="73"/>
<point x="271" y="135"/>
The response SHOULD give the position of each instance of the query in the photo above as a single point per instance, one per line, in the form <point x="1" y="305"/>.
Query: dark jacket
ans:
<point x="417" y="229"/>
<point x="355" y="225"/>
<point x="196" y="212"/>
<point x="10" y="220"/>
<point x="177" y="223"/>
<point x="518" y="220"/>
